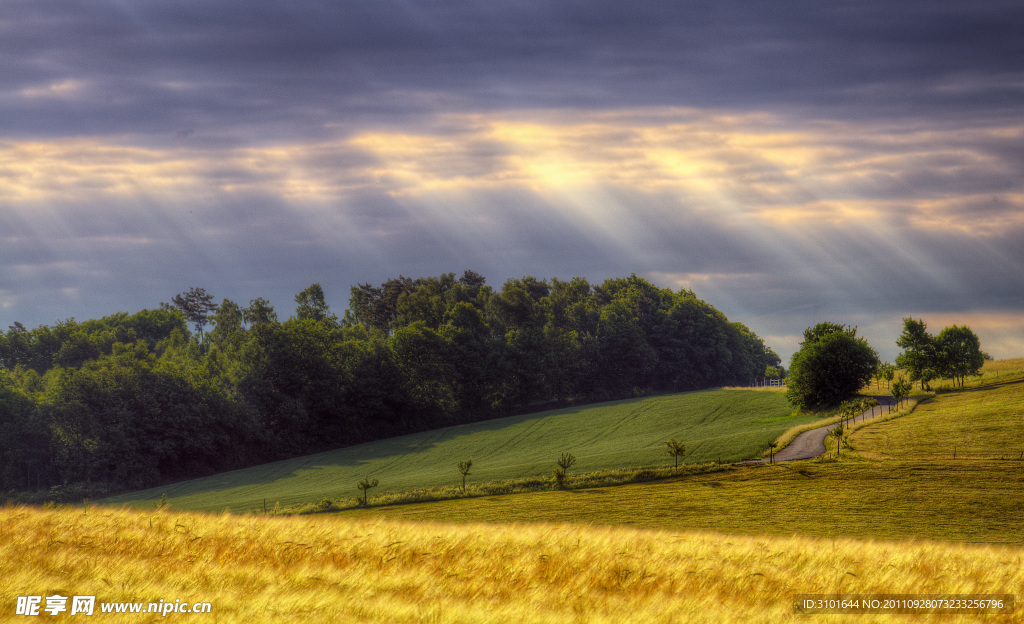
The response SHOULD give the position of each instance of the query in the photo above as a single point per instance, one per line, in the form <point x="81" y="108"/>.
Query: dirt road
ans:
<point x="810" y="444"/>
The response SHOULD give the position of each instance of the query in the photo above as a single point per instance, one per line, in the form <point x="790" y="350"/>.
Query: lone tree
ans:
<point x="831" y="365"/>
<point x="771" y="451"/>
<point x="365" y="486"/>
<point x="564" y="463"/>
<point x="676" y="448"/>
<point x="195" y="305"/>
<point x="837" y="433"/>
<point x="464" y="467"/>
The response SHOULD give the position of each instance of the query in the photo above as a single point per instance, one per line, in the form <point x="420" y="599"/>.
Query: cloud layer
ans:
<point x="791" y="163"/>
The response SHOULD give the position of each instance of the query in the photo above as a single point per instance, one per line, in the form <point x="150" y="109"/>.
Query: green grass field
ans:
<point x="716" y="424"/>
<point x="993" y="372"/>
<point x="897" y="482"/>
<point x="982" y="423"/>
<point x="970" y="502"/>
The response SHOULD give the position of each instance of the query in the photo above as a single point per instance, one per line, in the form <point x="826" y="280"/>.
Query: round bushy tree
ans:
<point x="831" y="365"/>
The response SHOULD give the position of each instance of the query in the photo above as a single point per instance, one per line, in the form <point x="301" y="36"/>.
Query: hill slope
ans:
<point x="716" y="424"/>
<point x="898" y="481"/>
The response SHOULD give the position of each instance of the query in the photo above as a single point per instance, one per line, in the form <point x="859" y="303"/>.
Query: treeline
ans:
<point x="955" y="353"/>
<point x="134" y="400"/>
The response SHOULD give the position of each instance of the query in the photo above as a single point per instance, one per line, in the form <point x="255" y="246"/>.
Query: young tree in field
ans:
<point x="888" y="371"/>
<point x="771" y="450"/>
<point x="837" y="433"/>
<point x="884" y="370"/>
<point x="564" y="463"/>
<point x="831" y="365"/>
<point x="901" y="390"/>
<point x="365" y="485"/>
<point x="676" y="448"/>
<point x="464" y="467"/>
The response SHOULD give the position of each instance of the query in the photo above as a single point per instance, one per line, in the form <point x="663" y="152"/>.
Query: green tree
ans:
<point x="831" y="365"/>
<point x="259" y="312"/>
<point x="425" y="301"/>
<point x="626" y="359"/>
<point x="366" y="485"/>
<point x="464" y="467"/>
<point x="227" y="322"/>
<point x="901" y="389"/>
<point x="771" y="449"/>
<point x="837" y="433"/>
<point x="428" y="374"/>
<point x="312" y="305"/>
<point x="195" y="305"/>
<point x="919" y="357"/>
<point x="377" y="307"/>
<point x="959" y="353"/>
<point x="471" y="355"/>
<point x="565" y="462"/>
<point x="884" y="370"/>
<point x="676" y="448"/>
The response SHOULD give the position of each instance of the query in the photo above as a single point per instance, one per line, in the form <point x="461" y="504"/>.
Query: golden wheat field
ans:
<point x="331" y="569"/>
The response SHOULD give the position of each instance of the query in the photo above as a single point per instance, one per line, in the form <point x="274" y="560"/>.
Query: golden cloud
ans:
<point x="760" y="166"/>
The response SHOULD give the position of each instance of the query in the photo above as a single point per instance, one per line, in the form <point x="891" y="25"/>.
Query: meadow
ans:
<point x="993" y="372"/>
<point x="339" y="569"/>
<point x="726" y="425"/>
<point x="895" y="480"/>
<point x="982" y="423"/>
<point x="892" y="515"/>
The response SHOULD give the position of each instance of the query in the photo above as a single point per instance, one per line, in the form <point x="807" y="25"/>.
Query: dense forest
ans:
<point x="195" y="387"/>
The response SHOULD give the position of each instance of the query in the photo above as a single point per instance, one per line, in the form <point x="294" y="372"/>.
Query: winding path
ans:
<point x="811" y="443"/>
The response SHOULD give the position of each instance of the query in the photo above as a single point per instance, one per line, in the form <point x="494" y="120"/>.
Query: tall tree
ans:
<point x="259" y="312"/>
<point x="195" y="305"/>
<point x="959" y="353"/>
<point x="919" y="357"/>
<point x="312" y="305"/>
<point x="227" y="322"/>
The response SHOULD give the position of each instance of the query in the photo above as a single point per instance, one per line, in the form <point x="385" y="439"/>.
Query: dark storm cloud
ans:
<point x="235" y="68"/>
<point x="790" y="161"/>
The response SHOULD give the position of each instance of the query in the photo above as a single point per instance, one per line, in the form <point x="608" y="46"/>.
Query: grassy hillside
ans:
<point x="978" y="502"/>
<point x="993" y="372"/>
<point x="982" y="423"/>
<point x="899" y="481"/>
<point x="337" y="569"/>
<point x="716" y="424"/>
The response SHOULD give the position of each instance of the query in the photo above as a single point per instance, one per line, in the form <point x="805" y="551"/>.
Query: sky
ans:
<point x="790" y="162"/>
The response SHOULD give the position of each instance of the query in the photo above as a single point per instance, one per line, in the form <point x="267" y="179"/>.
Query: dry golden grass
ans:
<point x="333" y="569"/>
